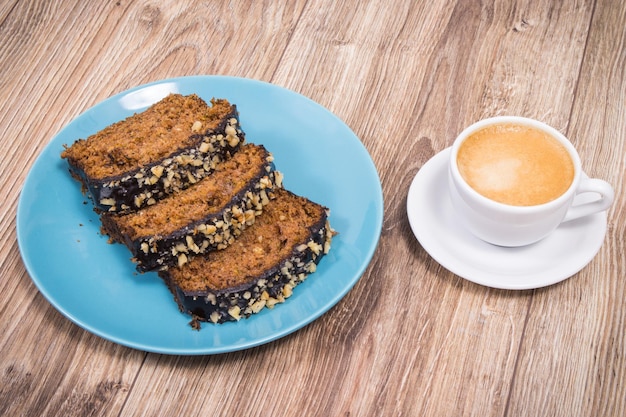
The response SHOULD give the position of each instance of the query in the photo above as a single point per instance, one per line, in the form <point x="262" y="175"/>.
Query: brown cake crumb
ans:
<point x="206" y="216"/>
<point x="146" y="137"/>
<point x="284" y="224"/>
<point x="208" y="196"/>
<point x="261" y="268"/>
<point x="140" y="160"/>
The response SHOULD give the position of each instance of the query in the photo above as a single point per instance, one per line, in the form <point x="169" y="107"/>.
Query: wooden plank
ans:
<point x="574" y="342"/>
<point x="411" y="338"/>
<point x="48" y="366"/>
<point x="5" y="9"/>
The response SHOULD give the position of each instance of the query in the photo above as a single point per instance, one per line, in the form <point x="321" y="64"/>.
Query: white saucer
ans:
<point x="559" y="256"/>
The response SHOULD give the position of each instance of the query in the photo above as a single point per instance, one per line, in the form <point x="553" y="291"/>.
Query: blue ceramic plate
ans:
<point x="94" y="283"/>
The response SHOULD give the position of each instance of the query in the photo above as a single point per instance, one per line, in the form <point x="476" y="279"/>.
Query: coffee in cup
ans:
<point x="515" y="164"/>
<point x="513" y="180"/>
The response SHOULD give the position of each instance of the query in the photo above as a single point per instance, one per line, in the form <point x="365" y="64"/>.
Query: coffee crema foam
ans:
<point x="515" y="164"/>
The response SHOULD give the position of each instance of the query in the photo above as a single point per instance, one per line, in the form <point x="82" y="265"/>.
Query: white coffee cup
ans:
<point x="511" y="225"/>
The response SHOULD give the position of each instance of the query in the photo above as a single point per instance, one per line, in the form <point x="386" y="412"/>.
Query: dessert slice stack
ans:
<point x="181" y="188"/>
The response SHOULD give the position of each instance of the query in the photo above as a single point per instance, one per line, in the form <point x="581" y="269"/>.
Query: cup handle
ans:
<point x="591" y="185"/>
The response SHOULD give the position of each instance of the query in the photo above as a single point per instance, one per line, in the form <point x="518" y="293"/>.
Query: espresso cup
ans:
<point x="513" y="180"/>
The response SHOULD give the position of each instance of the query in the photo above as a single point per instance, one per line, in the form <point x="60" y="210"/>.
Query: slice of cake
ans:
<point x="206" y="216"/>
<point x="137" y="161"/>
<point x="261" y="268"/>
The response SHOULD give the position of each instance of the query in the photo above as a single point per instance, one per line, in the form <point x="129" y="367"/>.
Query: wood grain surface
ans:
<point x="411" y="338"/>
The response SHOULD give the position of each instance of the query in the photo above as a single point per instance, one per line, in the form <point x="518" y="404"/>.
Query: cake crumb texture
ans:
<point x="284" y="224"/>
<point x="173" y="123"/>
<point x="206" y="216"/>
<point x="208" y="196"/>
<point x="261" y="269"/>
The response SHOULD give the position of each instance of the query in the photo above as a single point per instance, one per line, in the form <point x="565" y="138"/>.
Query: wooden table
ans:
<point x="411" y="338"/>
